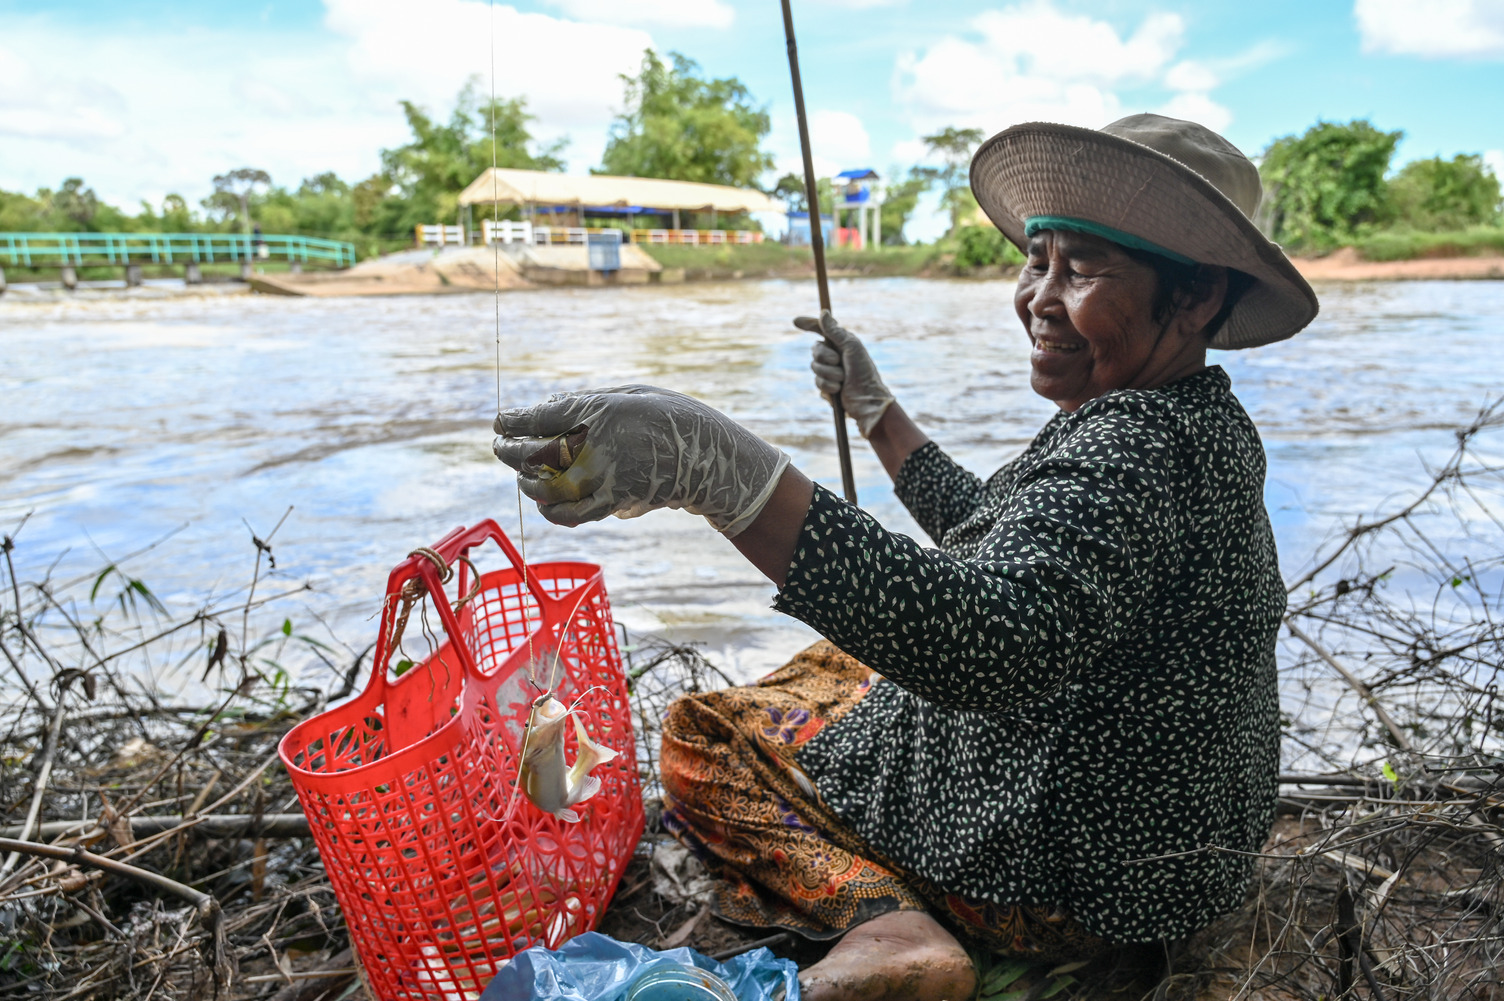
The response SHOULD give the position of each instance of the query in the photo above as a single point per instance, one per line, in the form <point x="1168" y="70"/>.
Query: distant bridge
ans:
<point x="71" y="251"/>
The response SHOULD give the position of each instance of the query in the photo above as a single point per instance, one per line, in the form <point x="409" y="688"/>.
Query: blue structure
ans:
<point x="799" y="228"/>
<point x="858" y="186"/>
<point x="860" y="191"/>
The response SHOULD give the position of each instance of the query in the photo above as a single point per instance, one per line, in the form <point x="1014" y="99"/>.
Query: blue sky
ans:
<point x="146" y="97"/>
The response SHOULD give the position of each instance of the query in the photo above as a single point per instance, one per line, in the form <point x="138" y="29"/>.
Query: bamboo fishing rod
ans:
<point x="817" y="244"/>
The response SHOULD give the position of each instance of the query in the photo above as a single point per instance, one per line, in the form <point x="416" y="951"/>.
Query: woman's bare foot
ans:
<point x="901" y="954"/>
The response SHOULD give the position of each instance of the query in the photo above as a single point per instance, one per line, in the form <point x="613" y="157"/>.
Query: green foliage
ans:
<point x="1326" y="186"/>
<point x="1436" y="194"/>
<point x="790" y="188"/>
<point x="983" y="247"/>
<point x="684" y="127"/>
<point x="1004" y="978"/>
<point x="72" y="208"/>
<point x="232" y="194"/>
<point x="1402" y="244"/>
<point x="899" y="201"/>
<point x="420" y="181"/>
<point x="954" y="147"/>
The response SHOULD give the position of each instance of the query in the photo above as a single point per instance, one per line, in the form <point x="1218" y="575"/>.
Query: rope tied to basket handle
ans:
<point x="414" y="590"/>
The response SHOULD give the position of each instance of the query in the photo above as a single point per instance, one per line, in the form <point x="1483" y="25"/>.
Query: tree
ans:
<point x="443" y="158"/>
<point x="176" y="217"/>
<point x="232" y="193"/>
<point x="76" y="202"/>
<point x="681" y="126"/>
<point x="1326" y="186"/>
<point x="1437" y="194"/>
<point x="790" y="188"/>
<point x="954" y="147"/>
<point x="900" y="200"/>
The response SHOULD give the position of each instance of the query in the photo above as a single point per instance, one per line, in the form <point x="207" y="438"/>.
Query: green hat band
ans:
<point x="1036" y="223"/>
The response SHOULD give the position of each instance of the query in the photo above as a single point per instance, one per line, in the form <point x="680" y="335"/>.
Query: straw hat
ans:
<point x="1154" y="183"/>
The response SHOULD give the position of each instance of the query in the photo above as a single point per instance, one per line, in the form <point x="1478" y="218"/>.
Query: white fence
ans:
<point x="560" y="234"/>
<point x="440" y="236"/>
<point x="505" y="231"/>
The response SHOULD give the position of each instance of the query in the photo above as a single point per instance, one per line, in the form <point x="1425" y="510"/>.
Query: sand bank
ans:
<point x="1346" y="266"/>
<point x="463" y="269"/>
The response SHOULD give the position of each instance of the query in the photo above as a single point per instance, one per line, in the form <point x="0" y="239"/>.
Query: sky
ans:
<point x="145" y="97"/>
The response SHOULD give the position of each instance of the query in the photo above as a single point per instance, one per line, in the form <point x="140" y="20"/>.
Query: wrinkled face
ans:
<point x="1088" y="310"/>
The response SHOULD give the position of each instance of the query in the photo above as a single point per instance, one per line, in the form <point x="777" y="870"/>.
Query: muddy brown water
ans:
<point x="125" y="417"/>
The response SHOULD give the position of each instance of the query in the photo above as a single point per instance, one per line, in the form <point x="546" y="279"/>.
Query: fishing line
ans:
<point x="522" y="587"/>
<point x="496" y="302"/>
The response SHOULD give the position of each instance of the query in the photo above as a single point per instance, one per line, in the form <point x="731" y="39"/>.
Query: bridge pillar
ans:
<point x="70" y="277"/>
<point x="132" y="275"/>
<point x="295" y="268"/>
<point x="245" y="271"/>
<point x="192" y="275"/>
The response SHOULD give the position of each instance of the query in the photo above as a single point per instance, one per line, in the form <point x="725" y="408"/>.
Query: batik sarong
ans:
<point x="735" y="796"/>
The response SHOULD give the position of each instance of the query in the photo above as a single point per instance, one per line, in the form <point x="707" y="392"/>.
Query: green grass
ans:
<point x="1405" y="245"/>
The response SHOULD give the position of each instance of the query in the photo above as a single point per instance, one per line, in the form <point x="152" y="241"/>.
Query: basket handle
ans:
<point x="451" y="548"/>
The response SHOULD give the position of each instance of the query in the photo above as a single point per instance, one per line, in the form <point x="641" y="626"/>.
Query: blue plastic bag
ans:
<point x="596" y="967"/>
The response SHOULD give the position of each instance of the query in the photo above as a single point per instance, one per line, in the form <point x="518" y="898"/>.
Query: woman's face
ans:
<point x="1088" y="309"/>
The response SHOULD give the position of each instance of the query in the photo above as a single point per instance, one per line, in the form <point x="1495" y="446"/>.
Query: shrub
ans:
<point x="984" y="246"/>
<point x="1436" y="194"/>
<point x="1327" y="185"/>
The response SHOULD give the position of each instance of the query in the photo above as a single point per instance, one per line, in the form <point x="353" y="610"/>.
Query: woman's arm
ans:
<point x="894" y="438"/>
<point x="1068" y="568"/>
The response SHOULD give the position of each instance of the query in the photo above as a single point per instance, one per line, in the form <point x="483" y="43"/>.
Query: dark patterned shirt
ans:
<point x="1080" y="683"/>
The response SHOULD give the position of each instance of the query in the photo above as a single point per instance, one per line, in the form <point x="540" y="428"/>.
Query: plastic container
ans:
<point x="442" y="872"/>
<point x="677" y="982"/>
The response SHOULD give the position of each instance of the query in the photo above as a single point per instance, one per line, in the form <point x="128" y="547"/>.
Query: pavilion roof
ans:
<point x="509" y="186"/>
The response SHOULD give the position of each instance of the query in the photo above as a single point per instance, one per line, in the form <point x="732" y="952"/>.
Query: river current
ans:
<point x="127" y="417"/>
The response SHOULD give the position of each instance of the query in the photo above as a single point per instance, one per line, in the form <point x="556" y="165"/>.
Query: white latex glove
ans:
<point x="632" y="449"/>
<point x="842" y="366"/>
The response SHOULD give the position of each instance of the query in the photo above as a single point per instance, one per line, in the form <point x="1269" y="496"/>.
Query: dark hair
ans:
<point x="1178" y="282"/>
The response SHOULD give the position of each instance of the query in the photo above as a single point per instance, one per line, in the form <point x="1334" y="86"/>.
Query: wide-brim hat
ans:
<point x="1154" y="183"/>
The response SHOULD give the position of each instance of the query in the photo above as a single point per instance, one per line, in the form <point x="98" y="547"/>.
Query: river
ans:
<point x="126" y="417"/>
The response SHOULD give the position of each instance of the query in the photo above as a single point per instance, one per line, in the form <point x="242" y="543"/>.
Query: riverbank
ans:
<point x="425" y="272"/>
<point x="1347" y="265"/>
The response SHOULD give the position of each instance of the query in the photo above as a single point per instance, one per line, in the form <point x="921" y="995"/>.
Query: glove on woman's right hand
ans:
<point x="637" y="448"/>
<point x="843" y="368"/>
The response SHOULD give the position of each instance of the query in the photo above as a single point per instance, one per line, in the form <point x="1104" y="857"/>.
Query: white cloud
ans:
<point x="39" y="103"/>
<point x="1434" y="29"/>
<point x="859" y="4"/>
<point x="1494" y="158"/>
<point x="664" y="13"/>
<point x="1034" y="61"/>
<point x="841" y="135"/>
<point x="1191" y="75"/>
<point x="1197" y="108"/>
<point x="1076" y="47"/>
<point x="426" y="50"/>
<point x="296" y="104"/>
<point x="838" y="141"/>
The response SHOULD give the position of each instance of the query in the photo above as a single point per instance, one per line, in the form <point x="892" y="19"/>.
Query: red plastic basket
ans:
<point x="408" y="788"/>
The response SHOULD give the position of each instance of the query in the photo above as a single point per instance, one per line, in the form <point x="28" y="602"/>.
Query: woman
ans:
<point x="1040" y="737"/>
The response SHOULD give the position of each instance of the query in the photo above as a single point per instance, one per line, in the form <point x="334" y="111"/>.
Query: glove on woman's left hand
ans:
<point x="643" y="448"/>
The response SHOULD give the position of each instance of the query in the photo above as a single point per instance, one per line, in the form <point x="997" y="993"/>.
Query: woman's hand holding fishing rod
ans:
<point x="629" y="450"/>
<point x="843" y="368"/>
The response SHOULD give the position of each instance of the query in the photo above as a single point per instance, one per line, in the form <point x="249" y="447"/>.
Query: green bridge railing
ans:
<point x="86" y="249"/>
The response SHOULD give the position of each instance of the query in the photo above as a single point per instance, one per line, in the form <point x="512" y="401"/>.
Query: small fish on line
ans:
<point x="559" y="453"/>
<point x="552" y="787"/>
